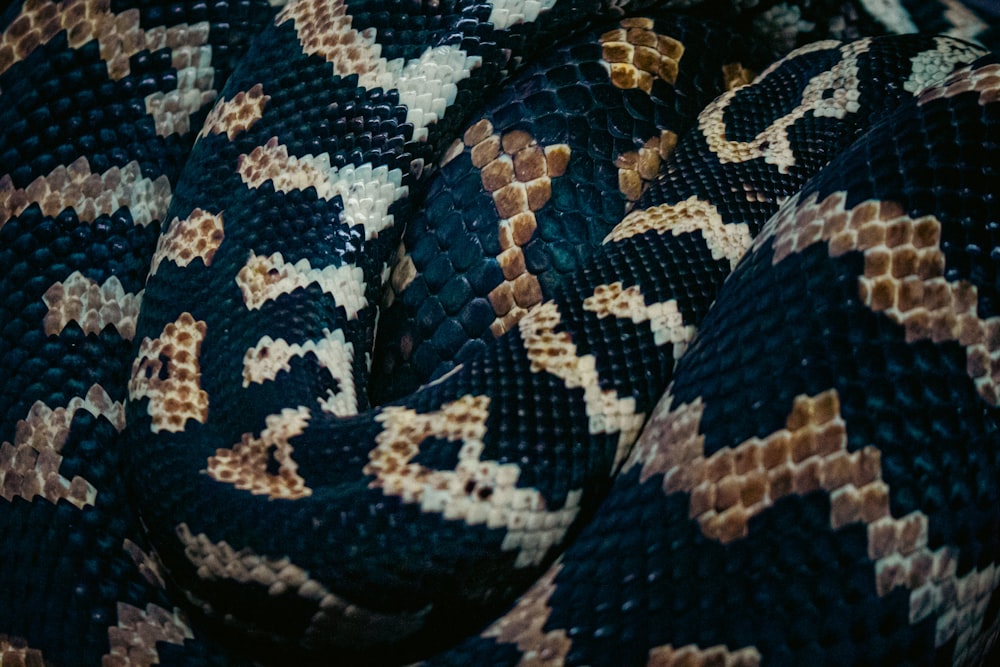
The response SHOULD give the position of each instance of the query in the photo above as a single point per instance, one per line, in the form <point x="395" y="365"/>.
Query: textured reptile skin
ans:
<point x="815" y="483"/>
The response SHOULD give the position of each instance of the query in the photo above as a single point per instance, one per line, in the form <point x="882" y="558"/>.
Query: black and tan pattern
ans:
<point x="635" y="54"/>
<point x="16" y="652"/>
<point x="29" y="466"/>
<point x="518" y="174"/>
<point x="339" y="344"/>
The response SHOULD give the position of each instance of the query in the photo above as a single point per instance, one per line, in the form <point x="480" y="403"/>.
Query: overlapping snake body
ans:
<point x="818" y="483"/>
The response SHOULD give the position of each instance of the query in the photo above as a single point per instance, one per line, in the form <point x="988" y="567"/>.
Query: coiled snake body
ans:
<point x="785" y="286"/>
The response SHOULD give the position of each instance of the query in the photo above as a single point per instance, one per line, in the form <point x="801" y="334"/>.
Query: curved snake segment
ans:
<point x="815" y="482"/>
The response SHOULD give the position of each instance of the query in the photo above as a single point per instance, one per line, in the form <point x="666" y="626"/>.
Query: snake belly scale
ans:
<point x="468" y="333"/>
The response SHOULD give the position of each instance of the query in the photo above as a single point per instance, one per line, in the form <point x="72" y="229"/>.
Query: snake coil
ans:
<point x="541" y="332"/>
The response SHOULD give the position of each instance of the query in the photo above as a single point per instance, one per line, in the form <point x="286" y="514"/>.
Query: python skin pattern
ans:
<point x="525" y="332"/>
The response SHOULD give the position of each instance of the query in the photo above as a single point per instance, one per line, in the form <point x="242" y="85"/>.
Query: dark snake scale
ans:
<point x="540" y="332"/>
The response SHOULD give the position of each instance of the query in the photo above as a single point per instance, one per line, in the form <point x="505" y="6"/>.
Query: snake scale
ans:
<point x="525" y="332"/>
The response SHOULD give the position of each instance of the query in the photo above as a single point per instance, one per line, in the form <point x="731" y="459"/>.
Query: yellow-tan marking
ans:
<point x="692" y="214"/>
<point x="324" y="28"/>
<point x="197" y="236"/>
<point x="403" y="273"/>
<point x="149" y="565"/>
<point x="177" y="396"/>
<point x="664" y="318"/>
<point x="29" y="467"/>
<point x="524" y="626"/>
<point x="518" y="173"/>
<point x="426" y="85"/>
<point x="638" y="168"/>
<point x="734" y="484"/>
<point x="245" y="465"/>
<point x="191" y="56"/>
<point x="735" y="75"/>
<point x="336" y="620"/>
<point x="366" y="193"/>
<point x="960" y="603"/>
<point x="16" y="652"/>
<point x="635" y="55"/>
<point x="89" y="194"/>
<point x="121" y="37"/>
<point x="91" y="305"/>
<point x="904" y="274"/>
<point x="264" y="279"/>
<point x="984" y="80"/>
<point x="264" y="361"/>
<point x="271" y="162"/>
<point x="713" y="656"/>
<point x="236" y="115"/>
<point x="133" y="641"/>
<point x="772" y="144"/>
<point x="555" y="353"/>
<point x="476" y="492"/>
<point x="935" y="64"/>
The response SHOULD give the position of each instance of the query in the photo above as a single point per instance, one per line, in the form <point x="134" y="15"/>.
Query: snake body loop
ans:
<point x="531" y="332"/>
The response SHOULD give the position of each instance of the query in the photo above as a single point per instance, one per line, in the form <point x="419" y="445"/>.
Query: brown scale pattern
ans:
<point x="524" y="626"/>
<point x="15" y="652"/>
<point x="133" y="641"/>
<point x="390" y="461"/>
<point x="91" y="305"/>
<point x="984" y="80"/>
<point x="245" y="465"/>
<point x="517" y="172"/>
<point x="638" y="168"/>
<point x="120" y="35"/>
<point x="735" y="75"/>
<point x="903" y="277"/>
<point x="324" y="29"/>
<point x="221" y="561"/>
<point x="636" y="56"/>
<point x="149" y="565"/>
<point x="83" y="20"/>
<point x="734" y="484"/>
<point x="263" y="279"/>
<point x="89" y="194"/>
<point x="171" y="110"/>
<point x="236" y="115"/>
<point x="271" y="162"/>
<point x="177" y="397"/>
<point x="197" y="236"/>
<point x="29" y="467"/>
<point x="555" y="352"/>
<point x="138" y="630"/>
<point x="713" y="656"/>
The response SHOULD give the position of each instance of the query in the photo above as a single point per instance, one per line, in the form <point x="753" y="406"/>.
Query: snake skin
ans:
<point x="466" y="333"/>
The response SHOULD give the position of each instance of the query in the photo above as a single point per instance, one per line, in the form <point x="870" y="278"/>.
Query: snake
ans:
<point x="531" y="332"/>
